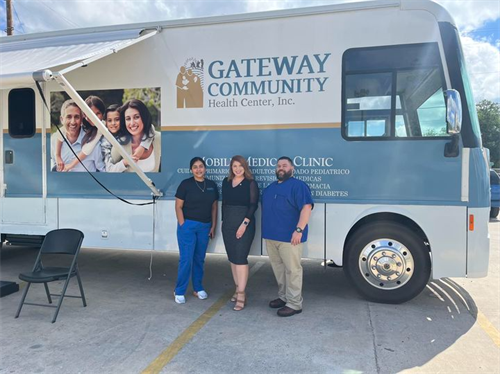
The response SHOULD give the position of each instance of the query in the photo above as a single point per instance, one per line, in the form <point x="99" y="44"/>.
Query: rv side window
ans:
<point x="22" y="113"/>
<point x="393" y="92"/>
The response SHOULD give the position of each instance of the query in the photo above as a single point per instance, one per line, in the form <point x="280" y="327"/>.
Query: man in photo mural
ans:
<point x="71" y="119"/>
<point x="286" y="208"/>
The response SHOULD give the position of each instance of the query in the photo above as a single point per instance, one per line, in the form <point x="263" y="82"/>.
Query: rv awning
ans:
<point x="19" y="59"/>
<point x="24" y="61"/>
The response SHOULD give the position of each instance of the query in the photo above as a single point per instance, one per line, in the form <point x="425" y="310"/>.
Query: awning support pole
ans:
<point x="68" y="88"/>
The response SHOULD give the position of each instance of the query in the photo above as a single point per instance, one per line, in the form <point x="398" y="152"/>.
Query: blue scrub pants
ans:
<point x="193" y="239"/>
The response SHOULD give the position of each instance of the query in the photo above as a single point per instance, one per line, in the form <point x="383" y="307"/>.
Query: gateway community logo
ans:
<point x="250" y="82"/>
<point x="189" y="84"/>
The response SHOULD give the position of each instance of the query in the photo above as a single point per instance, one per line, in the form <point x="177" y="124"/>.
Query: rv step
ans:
<point x="24" y="240"/>
<point x="6" y="288"/>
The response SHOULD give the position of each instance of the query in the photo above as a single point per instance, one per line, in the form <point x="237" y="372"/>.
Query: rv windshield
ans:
<point x="468" y="91"/>
<point x="471" y="133"/>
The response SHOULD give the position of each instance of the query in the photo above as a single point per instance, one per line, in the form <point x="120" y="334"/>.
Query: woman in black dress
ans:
<point x="240" y="195"/>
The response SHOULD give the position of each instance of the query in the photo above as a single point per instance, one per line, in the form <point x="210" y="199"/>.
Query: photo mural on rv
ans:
<point x="132" y="116"/>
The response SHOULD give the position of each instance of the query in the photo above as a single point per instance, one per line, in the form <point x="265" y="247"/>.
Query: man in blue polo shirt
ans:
<point x="286" y="208"/>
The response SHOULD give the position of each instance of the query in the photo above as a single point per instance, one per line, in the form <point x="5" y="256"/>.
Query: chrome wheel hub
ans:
<point x="386" y="264"/>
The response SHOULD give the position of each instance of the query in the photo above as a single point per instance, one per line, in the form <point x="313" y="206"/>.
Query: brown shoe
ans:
<point x="241" y="300"/>
<point x="233" y="298"/>
<point x="288" y="312"/>
<point x="277" y="303"/>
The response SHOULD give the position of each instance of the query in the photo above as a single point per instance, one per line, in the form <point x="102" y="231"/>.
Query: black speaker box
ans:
<point x="6" y="288"/>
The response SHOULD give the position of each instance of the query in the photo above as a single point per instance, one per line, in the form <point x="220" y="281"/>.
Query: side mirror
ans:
<point x="453" y="111"/>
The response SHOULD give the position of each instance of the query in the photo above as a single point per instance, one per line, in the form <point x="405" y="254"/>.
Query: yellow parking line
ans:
<point x="171" y="351"/>
<point x="488" y="328"/>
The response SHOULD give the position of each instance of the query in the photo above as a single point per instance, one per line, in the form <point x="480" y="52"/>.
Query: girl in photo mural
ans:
<point x="91" y="138"/>
<point x="112" y="120"/>
<point x="140" y="140"/>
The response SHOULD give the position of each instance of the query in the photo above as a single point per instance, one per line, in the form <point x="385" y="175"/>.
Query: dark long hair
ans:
<point x="91" y="131"/>
<point x="145" y="116"/>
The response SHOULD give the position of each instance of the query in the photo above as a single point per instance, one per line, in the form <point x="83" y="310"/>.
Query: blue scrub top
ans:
<point x="281" y="206"/>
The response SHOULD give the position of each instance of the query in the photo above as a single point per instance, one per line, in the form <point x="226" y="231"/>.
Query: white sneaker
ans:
<point x="180" y="299"/>
<point x="202" y="295"/>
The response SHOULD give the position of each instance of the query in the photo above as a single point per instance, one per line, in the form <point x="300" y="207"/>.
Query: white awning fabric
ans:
<point x="19" y="59"/>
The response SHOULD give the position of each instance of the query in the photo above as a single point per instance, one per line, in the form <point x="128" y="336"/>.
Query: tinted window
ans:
<point x="431" y="114"/>
<point x="368" y="104"/>
<point x="22" y="113"/>
<point x="424" y="111"/>
<point x="393" y="92"/>
<point x="494" y="178"/>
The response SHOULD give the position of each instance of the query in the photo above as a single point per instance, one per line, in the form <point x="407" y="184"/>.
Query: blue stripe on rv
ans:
<point x="395" y="172"/>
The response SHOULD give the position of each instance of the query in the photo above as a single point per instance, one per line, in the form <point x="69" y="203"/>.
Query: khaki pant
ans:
<point x="285" y="260"/>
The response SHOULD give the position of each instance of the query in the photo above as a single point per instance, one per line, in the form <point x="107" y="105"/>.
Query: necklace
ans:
<point x="204" y="185"/>
<point x="237" y="184"/>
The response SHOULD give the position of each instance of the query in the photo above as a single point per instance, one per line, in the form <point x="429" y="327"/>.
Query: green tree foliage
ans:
<point x="56" y="101"/>
<point x="488" y="114"/>
<point x="149" y="96"/>
<point x="435" y="132"/>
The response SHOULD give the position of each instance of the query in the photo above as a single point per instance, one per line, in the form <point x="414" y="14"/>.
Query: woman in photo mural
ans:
<point x="91" y="138"/>
<point x="196" y="211"/>
<point x="240" y="196"/>
<point x="140" y="140"/>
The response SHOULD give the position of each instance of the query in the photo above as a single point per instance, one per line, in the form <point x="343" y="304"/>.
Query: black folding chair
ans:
<point x="56" y="242"/>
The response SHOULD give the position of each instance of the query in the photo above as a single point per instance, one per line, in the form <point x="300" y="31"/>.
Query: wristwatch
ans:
<point x="299" y="230"/>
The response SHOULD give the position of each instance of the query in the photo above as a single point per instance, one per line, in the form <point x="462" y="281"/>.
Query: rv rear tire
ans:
<point x="387" y="262"/>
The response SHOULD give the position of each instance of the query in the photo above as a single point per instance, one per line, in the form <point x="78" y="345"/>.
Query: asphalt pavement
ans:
<point x="132" y="324"/>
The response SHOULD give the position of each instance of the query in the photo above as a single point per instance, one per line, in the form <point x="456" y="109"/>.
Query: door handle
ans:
<point x="9" y="157"/>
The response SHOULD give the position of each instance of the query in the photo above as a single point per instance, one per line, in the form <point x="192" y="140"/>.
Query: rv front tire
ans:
<point x="387" y="262"/>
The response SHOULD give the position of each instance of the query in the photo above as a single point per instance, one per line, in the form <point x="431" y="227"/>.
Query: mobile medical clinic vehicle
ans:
<point x="371" y="100"/>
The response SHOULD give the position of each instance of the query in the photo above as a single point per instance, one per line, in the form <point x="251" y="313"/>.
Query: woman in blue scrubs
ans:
<point x="196" y="211"/>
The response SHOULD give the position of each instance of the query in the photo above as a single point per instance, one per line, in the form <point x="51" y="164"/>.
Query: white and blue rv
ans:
<point x="371" y="100"/>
